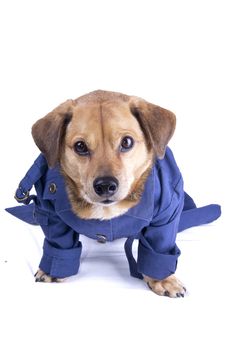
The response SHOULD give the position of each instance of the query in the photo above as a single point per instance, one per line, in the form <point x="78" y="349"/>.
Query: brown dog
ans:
<point x="106" y="135"/>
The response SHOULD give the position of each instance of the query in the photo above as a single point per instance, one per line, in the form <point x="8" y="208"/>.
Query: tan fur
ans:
<point x="102" y="119"/>
<point x="102" y="126"/>
<point x="170" y="286"/>
<point x="41" y="276"/>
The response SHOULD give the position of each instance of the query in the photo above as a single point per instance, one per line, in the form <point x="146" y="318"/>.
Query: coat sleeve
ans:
<point x="157" y="250"/>
<point x="61" y="249"/>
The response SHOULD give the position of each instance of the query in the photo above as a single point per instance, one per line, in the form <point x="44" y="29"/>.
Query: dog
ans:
<point x="110" y="150"/>
<point x="106" y="153"/>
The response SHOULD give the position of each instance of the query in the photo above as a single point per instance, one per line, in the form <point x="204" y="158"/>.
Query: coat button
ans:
<point x="101" y="238"/>
<point x="52" y="188"/>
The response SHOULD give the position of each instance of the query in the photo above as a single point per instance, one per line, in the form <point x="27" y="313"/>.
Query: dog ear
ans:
<point x="48" y="132"/>
<point x="158" y="124"/>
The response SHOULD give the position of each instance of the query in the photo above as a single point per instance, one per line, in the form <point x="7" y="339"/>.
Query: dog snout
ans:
<point x="105" y="186"/>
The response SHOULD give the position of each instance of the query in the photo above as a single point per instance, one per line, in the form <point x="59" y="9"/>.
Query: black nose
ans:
<point x="105" y="186"/>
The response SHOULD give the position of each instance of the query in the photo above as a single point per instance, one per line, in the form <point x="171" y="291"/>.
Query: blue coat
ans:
<point x="163" y="210"/>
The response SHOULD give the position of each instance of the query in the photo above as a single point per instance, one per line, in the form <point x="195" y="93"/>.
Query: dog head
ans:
<point x="105" y="144"/>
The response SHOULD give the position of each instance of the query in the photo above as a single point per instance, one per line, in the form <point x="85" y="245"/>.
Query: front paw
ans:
<point x="41" y="276"/>
<point x="170" y="286"/>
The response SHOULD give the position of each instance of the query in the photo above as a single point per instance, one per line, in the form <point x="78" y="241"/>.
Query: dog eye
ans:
<point x="81" y="148"/>
<point x="126" y="144"/>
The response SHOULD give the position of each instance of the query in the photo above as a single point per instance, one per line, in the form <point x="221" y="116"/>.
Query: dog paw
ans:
<point x="169" y="287"/>
<point x="41" y="276"/>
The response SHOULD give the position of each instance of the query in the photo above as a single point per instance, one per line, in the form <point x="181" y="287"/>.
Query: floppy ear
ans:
<point x="48" y="132"/>
<point x="158" y="124"/>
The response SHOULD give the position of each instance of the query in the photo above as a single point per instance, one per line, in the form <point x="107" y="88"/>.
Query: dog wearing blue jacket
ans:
<point x="105" y="172"/>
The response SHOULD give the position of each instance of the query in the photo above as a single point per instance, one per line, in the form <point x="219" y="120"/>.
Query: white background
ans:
<point x="177" y="54"/>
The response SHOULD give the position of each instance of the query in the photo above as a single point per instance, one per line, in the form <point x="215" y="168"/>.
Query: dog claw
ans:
<point x="40" y="279"/>
<point x="180" y="295"/>
<point x="166" y="293"/>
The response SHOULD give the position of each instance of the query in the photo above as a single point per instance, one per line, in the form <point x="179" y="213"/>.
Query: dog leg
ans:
<point x="41" y="276"/>
<point x="170" y="286"/>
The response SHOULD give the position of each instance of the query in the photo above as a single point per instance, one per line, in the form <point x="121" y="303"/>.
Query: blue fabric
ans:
<point x="57" y="262"/>
<point x="163" y="210"/>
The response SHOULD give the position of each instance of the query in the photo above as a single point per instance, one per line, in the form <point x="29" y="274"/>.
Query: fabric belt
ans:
<point x="131" y="260"/>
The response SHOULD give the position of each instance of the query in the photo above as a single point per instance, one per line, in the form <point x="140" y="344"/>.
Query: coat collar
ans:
<point x="55" y="189"/>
